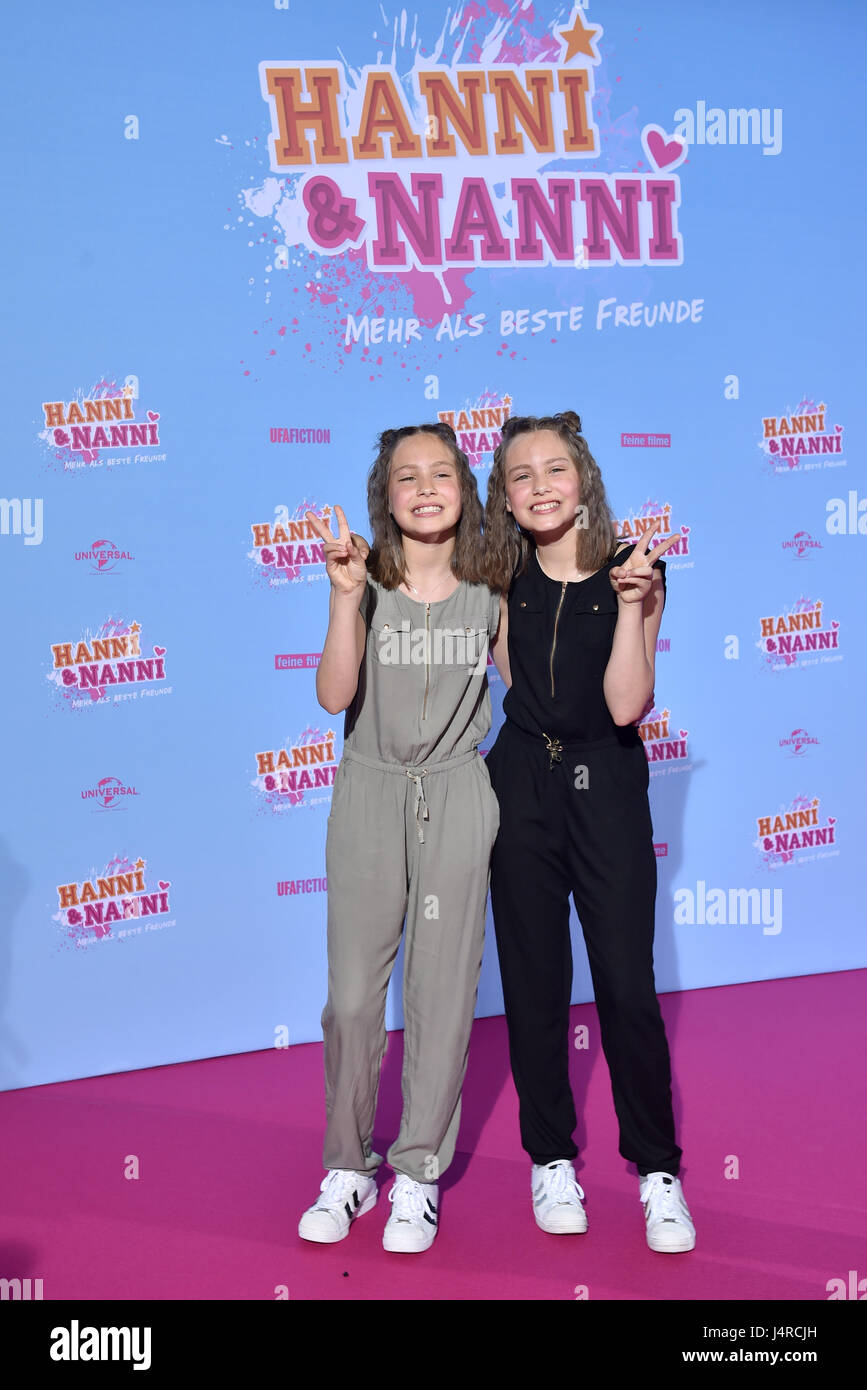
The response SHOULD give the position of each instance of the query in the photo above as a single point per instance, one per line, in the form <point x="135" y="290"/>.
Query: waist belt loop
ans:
<point x="420" y="801"/>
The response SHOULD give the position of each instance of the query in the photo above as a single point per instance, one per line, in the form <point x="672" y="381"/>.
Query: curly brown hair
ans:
<point x="386" y="561"/>
<point x="508" y="546"/>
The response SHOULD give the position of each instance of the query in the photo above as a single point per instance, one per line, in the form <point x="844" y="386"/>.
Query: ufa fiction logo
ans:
<point x="287" y="550"/>
<point x="77" y="1343"/>
<point x="286" y="776"/>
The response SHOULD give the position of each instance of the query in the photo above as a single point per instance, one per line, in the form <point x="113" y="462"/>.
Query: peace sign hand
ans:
<point x="344" y="556"/>
<point x="631" y="581"/>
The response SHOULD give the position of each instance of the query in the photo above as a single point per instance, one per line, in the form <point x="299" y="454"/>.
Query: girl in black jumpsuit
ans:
<point x="572" y="783"/>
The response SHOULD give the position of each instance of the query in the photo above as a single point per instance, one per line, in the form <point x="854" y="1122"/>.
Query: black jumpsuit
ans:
<point x="575" y="818"/>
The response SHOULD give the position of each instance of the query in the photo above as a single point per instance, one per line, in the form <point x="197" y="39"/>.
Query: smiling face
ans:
<point x="543" y="490"/>
<point x="424" y="492"/>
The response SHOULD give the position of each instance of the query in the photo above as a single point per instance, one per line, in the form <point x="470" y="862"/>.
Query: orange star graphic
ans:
<point x="580" y="39"/>
<point x="135" y="627"/>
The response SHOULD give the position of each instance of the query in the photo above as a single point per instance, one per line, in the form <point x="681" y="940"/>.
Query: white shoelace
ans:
<point x="407" y="1200"/>
<point x="334" y="1187"/>
<point x="665" y="1205"/>
<point x="561" y="1186"/>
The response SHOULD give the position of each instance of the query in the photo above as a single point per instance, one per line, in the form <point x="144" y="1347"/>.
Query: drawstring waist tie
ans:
<point x="416" y="775"/>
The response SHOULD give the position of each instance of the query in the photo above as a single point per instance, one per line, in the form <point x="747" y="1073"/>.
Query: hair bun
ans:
<point x="386" y="439"/>
<point x="570" y="419"/>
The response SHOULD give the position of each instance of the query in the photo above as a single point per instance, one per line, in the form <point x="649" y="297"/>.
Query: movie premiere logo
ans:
<point x="284" y="775"/>
<point x="801" y="439"/>
<point x="479" y="427"/>
<point x="290" y="434"/>
<point x="787" y="639"/>
<point x="287" y="550"/>
<point x="103" y="556"/>
<point x="802" y="544"/>
<point x="632" y="528"/>
<point x="798" y="742"/>
<point x="107" y="794"/>
<point x="96" y="667"/>
<point x="291" y="887"/>
<point x="78" y="432"/>
<point x="443" y="167"/>
<point x="91" y="909"/>
<point x="662" y="744"/>
<point x="782" y="838"/>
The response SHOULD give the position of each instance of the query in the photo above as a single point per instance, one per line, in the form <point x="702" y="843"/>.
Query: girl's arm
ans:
<point x="631" y="670"/>
<point x="343" y="652"/>
<point x="500" y="644"/>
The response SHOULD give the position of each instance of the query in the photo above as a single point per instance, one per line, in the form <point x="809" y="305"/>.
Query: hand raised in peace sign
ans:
<point x="344" y="554"/>
<point x="631" y="581"/>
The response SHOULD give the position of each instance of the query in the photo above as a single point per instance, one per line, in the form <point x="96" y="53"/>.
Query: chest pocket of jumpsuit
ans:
<point x="393" y="646"/>
<point x="593" y="617"/>
<point x="461" y="650"/>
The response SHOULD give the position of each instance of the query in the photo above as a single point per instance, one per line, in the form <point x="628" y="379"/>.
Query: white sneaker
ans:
<point x="413" y="1221"/>
<point x="345" y="1195"/>
<point x="669" y="1224"/>
<point x="557" y="1198"/>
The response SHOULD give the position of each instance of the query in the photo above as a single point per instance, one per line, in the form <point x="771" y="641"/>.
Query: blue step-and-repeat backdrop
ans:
<point x="242" y="239"/>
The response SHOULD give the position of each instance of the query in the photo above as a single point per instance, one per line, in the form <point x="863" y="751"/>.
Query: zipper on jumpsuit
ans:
<point x="555" y="748"/>
<point x="426" y="657"/>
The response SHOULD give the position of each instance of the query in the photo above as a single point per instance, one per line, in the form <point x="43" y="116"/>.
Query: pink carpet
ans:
<point x="770" y="1075"/>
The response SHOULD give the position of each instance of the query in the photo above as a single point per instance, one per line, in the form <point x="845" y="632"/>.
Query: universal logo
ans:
<point x="104" y="556"/>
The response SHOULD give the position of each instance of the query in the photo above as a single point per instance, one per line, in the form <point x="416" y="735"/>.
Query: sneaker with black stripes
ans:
<point x="345" y="1195"/>
<point x="413" y="1221"/>
<point x="669" y="1225"/>
<point x="557" y="1198"/>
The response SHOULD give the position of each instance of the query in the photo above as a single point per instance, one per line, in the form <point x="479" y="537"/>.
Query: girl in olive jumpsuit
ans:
<point x="413" y="819"/>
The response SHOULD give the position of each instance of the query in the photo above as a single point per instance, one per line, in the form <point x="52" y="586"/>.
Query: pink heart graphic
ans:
<point x="662" y="151"/>
<point x="165" y="883"/>
<point x="839" y="429"/>
<point x="153" y="414"/>
<point x="61" y="437"/>
<point x="685" y="530"/>
<point x="159" y="651"/>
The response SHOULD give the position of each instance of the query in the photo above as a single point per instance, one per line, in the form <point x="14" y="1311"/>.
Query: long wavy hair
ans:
<point x="508" y="546"/>
<point x="386" y="561"/>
